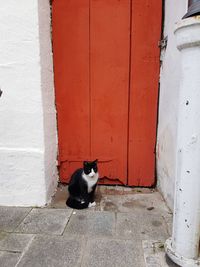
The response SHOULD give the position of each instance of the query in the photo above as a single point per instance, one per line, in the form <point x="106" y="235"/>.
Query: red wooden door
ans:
<point x="106" y="66"/>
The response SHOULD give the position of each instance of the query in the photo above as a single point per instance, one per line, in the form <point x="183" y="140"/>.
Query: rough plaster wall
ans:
<point x="169" y="86"/>
<point x="48" y="97"/>
<point x="27" y="120"/>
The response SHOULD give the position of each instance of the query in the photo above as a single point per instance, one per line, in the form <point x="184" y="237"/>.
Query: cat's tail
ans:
<point x="75" y="204"/>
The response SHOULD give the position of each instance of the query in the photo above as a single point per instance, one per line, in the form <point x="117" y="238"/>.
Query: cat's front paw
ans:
<point x="93" y="204"/>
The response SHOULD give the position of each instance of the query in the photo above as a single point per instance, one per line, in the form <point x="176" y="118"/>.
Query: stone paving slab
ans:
<point x="15" y="242"/>
<point x="53" y="251"/>
<point x="113" y="253"/>
<point x="169" y="222"/>
<point x="141" y="225"/>
<point x="10" y="217"/>
<point x="154" y="254"/>
<point x="9" y="259"/>
<point x="45" y="221"/>
<point x="134" y="202"/>
<point x="117" y="232"/>
<point x="59" y="199"/>
<point x="91" y="223"/>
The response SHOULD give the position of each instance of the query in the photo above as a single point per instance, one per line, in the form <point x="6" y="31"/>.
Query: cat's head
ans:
<point x="90" y="167"/>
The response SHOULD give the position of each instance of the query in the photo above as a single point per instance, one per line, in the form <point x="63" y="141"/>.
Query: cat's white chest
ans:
<point x="91" y="181"/>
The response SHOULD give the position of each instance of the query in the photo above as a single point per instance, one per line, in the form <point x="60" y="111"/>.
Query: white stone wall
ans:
<point x="170" y="77"/>
<point x="28" y="142"/>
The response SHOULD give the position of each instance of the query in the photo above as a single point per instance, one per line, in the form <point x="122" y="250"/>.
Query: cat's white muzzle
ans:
<point x="91" y="174"/>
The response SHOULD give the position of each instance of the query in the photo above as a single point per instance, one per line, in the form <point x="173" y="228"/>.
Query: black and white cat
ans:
<point x="82" y="186"/>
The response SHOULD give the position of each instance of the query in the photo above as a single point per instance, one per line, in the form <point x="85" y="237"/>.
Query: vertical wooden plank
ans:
<point x="71" y="70"/>
<point x="109" y="71"/>
<point x="146" y="30"/>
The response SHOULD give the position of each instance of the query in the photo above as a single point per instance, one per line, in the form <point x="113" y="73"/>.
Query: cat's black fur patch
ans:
<point x="79" y="197"/>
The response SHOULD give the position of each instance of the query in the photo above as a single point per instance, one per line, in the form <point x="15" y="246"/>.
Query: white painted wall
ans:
<point x="169" y="87"/>
<point x="28" y="142"/>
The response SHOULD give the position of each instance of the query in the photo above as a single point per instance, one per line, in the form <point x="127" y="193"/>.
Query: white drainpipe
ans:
<point x="183" y="246"/>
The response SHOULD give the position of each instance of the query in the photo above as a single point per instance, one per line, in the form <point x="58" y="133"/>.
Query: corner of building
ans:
<point x="28" y="143"/>
<point x="170" y="76"/>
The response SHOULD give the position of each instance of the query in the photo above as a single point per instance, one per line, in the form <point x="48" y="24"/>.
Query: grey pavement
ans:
<point x="128" y="227"/>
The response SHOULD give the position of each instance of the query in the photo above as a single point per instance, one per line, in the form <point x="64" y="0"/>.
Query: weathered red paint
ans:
<point x="109" y="76"/>
<point x="106" y="86"/>
<point x="146" y="30"/>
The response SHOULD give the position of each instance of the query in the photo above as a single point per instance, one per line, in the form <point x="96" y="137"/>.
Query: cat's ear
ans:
<point x="95" y="161"/>
<point x="85" y="163"/>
